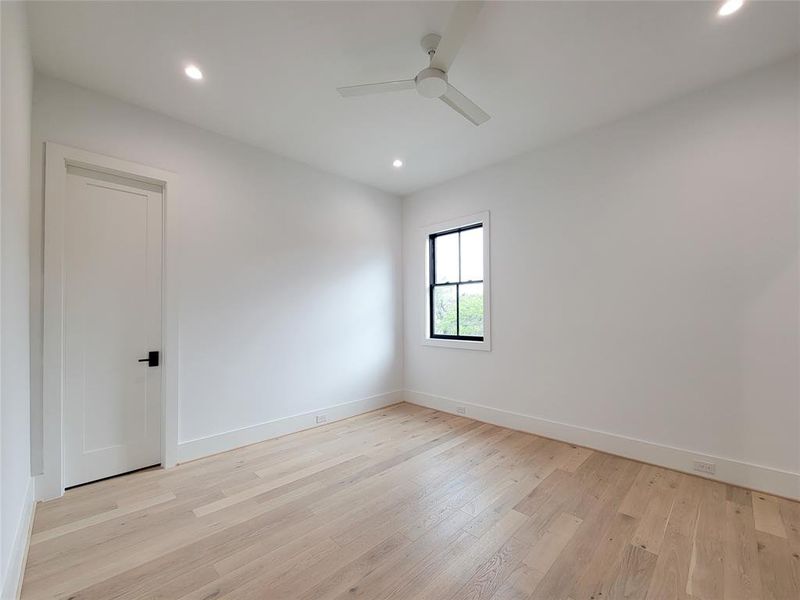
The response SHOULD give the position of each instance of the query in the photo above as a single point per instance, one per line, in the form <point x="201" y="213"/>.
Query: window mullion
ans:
<point x="458" y="312"/>
<point x="459" y="255"/>
<point x="458" y="289"/>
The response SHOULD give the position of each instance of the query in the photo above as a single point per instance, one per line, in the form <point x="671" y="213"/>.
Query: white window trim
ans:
<point x="486" y="344"/>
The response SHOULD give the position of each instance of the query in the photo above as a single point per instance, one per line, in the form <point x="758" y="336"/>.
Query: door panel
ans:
<point x="112" y="308"/>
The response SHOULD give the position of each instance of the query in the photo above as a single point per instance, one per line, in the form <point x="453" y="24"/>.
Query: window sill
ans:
<point x="485" y="345"/>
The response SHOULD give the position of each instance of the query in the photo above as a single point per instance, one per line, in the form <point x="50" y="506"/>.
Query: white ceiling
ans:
<point x="543" y="70"/>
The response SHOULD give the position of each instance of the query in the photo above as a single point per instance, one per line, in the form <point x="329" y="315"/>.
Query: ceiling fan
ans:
<point x="432" y="81"/>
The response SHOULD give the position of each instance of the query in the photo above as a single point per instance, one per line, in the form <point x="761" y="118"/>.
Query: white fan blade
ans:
<point x="460" y="103"/>
<point x="464" y="15"/>
<point x="377" y="88"/>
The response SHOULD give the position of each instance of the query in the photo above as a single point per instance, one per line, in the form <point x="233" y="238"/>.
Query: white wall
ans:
<point x="289" y="279"/>
<point x="15" y="126"/>
<point x="645" y="284"/>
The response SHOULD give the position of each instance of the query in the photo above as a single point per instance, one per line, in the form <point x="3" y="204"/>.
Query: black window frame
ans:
<point x="432" y="285"/>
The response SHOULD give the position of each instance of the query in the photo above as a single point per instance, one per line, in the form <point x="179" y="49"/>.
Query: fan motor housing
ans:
<point x="431" y="83"/>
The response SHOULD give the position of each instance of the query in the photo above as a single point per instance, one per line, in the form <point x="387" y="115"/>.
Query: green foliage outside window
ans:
<point x="471" y="318"/>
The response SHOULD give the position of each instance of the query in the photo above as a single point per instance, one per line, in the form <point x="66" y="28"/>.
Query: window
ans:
<point x="457" y="285"/>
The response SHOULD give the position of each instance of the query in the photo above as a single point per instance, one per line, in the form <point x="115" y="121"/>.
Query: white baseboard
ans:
<point x="198" y="448"/>
<point x="12" y="582"/>
<point x="757" y="477"/>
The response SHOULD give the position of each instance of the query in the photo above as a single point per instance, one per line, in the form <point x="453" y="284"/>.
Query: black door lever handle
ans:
<point x="152" y="359"/>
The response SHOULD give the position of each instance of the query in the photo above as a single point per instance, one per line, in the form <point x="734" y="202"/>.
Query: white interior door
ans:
<point x="112" y="320"/>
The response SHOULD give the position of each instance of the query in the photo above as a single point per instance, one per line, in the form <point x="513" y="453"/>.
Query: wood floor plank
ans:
<point x="268" y="486"/>
<point x="767" y="515"/>
<point x="101" y="517"/>
<point x="790" y="512"/>
<point x="575" y="458"/>
<point x="706" y="569"/>
<point x="632" y="578"/>
<point x="671" y="573"/>
<point x="653" y="522"/>
<point x="447" y="582"/>
<point x="542" y="553"/>
<point x="597" y="576"/>
<point x="567" y="570"/>
<point x="409" y="503"/>
<point x="493" y="572"/>
<point x="362" y="565"/>
<point x="319" y="560"/>
<point x="511" y="497"/>
<point x="742" y="575"/>
<point x="545" y="550"/>
<point x="775" y="560"/>
<point x="395" y="570"/>
<point x="519" y="584"/>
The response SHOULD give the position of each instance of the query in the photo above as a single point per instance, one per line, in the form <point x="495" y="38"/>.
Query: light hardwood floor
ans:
<point x="407" y="503"/>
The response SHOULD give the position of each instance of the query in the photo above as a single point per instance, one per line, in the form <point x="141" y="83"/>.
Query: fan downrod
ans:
<point x="430" y="42"/>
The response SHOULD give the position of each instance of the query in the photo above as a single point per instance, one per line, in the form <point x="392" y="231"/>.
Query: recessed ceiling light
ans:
<point x="397" y="163"/>
<point x="730" y="7"/>
<point x="192" y="72"/>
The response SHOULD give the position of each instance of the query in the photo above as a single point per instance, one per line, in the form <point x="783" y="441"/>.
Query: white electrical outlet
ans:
<point x="705" y="467"/>
<point x="461" y="410"/>
<point x="322" y="419"/>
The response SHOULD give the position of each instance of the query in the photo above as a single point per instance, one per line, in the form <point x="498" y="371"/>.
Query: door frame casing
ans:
<point x="50" y="484"/>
